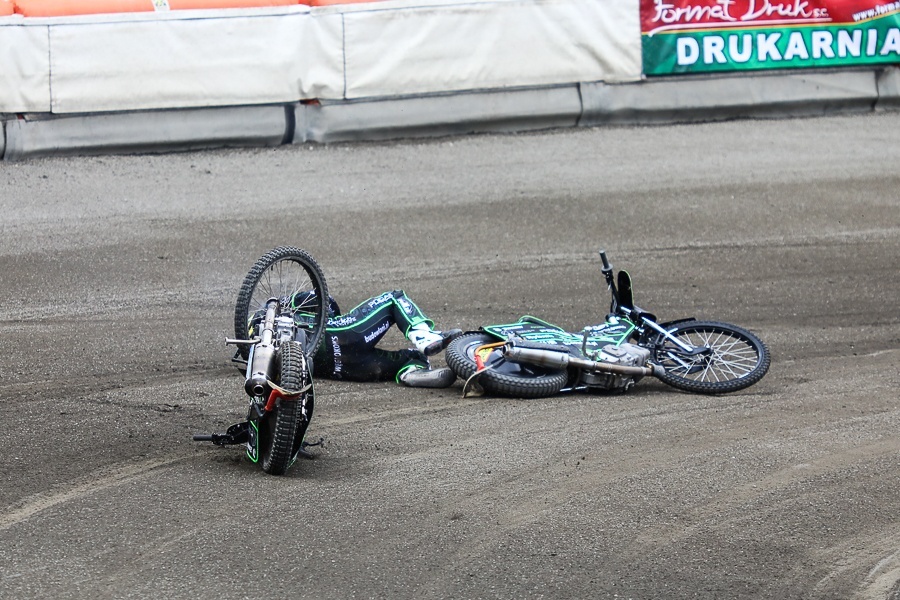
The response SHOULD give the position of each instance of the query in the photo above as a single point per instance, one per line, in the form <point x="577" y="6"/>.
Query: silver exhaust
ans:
<point x="562" y="360"/>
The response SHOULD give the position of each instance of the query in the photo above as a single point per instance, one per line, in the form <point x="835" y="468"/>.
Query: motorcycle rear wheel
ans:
<point x="284" y="273"/>
<point x="279" y="427"/>
<point x="738" y="358"/>
<point x="505" y="378"/>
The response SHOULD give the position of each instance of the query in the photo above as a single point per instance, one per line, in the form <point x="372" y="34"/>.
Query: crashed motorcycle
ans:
<point x="279" y="320"/>
<point x="532" y="358"/>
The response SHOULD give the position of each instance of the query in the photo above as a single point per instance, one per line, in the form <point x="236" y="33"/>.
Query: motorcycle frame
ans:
<point x="275" y="328"/>
<point x="648" y="333"/>
<point x="639" y="317"/>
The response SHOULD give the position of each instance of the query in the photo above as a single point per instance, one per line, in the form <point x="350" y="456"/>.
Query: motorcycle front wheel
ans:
<point x="279" y="427"/>
<point x="292" y="276"/>
<point x="736" y="358"/>
<point x="505" y="378"/>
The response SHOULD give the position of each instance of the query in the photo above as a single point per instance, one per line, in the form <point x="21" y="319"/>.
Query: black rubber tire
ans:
<point x="278" y="428"/>
<point x="506" y="378"/>
<point x="739" y="358"/>
<point x="282" y="273"/>
<point x="309" y="403"/>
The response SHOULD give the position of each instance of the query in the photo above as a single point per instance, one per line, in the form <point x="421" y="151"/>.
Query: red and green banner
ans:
<point x="708" y="36"/>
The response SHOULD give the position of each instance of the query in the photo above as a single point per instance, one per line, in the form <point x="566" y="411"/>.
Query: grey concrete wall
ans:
<point x="133" y="132"/>
<point x="668" y="100"/>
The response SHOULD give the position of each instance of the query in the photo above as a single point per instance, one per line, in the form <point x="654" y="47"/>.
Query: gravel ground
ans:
<point x="119" y="276"/>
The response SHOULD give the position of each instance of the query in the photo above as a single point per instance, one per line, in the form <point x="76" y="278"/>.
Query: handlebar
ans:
<point x="606" y="265"/>
<point x="610" y="282"/>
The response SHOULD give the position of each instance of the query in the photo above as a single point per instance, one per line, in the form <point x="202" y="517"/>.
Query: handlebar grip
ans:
<point x="606" y="266"/>
<point x="203" y="438"/>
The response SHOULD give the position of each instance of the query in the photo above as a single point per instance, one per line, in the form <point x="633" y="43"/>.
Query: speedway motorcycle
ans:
<point x="532" y="358"/>
<point x="279" y="319"/>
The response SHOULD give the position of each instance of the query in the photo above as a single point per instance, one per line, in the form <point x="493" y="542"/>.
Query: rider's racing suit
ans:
<point x="348" y="351"/>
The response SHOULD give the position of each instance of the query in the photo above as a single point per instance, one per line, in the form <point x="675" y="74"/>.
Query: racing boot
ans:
<point x="431" y="341"/>
<point x="428" y="378"/>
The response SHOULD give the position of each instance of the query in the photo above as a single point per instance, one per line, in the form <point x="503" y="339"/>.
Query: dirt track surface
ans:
<point x="119" y="276"/>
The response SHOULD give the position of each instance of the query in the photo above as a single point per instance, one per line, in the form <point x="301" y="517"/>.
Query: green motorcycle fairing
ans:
<point x="615" y="331"/>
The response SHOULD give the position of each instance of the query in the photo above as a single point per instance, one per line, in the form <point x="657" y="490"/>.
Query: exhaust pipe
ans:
<point x="261" y="355"/>
<point x="257" y="383"/>
<point x="561" y="360"/>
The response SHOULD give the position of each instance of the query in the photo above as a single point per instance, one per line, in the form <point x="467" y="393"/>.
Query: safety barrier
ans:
<point x="276" y="55"/>
<point x="296" y="73"/>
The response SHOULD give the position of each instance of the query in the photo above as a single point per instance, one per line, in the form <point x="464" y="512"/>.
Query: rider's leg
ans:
<point x="431" y="341"/>
<point x="409" y="367"/>
<point x="413" y="376"/>
<point x="416" y="371"/>
<point x="365" y="324"/>
<point x="369" y="321"/>
<point x="418" y="328"/>
<point x="360" y="362"/>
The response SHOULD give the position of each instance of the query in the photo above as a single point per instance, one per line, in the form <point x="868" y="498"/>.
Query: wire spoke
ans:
<point x="284" y="280"/>
<point x="732" y="357"/>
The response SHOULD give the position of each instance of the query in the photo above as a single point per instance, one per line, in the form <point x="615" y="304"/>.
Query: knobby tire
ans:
<point x="279" y="427"/>
<point x="507" y="378"/>
<point x="281" y="273"/>
<point x="739" y="358"/>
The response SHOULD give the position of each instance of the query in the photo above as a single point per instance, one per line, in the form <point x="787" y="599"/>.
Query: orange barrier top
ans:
<point x="60" y="8"/>
<point x="334" y="2"/>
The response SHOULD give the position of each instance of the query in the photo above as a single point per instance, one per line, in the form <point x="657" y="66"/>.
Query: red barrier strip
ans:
<point x="65" y="8"/>
<point x="61" y="8"/>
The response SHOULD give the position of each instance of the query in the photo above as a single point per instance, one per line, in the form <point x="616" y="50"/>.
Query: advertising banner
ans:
<point x="707" y="36"/>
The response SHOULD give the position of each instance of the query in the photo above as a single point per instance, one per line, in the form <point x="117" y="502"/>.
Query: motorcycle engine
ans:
<point x="627" y="355"/>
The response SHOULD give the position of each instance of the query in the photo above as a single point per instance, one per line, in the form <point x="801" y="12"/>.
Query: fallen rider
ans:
<point x="349" y="349"/>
